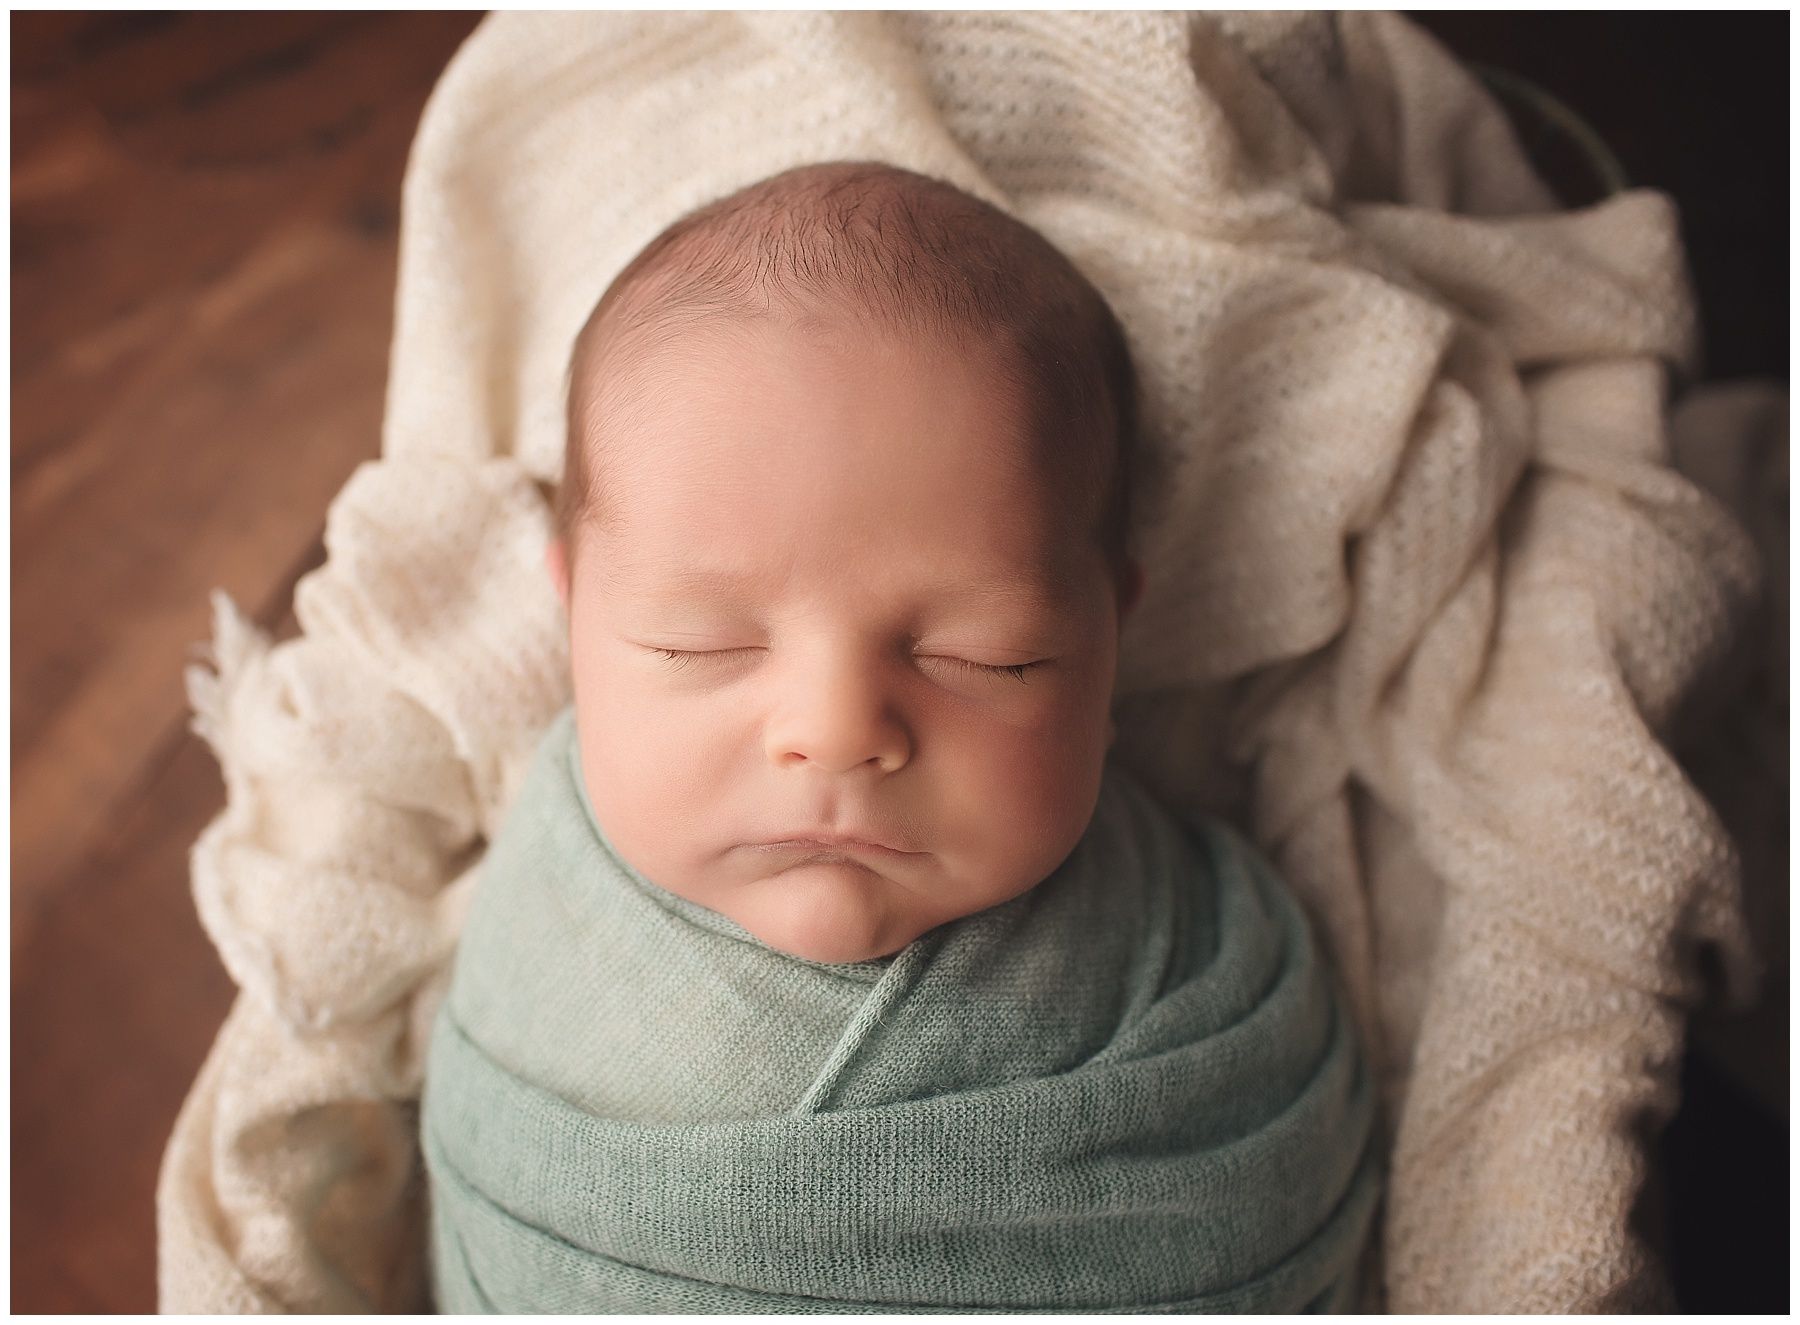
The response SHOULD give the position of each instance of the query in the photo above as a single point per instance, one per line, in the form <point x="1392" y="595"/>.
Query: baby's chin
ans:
<point x="835" y="913"/>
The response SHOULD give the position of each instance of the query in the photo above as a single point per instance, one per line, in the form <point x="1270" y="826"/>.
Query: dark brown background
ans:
<point x="204" y="226"/>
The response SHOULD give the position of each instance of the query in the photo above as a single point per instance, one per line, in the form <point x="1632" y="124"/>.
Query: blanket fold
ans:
<point x="1131" y="1088"/>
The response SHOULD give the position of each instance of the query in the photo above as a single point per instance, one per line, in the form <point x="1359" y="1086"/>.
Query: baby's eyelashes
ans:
<point x="678" y="659"/>
<point x="1017" y="670"/>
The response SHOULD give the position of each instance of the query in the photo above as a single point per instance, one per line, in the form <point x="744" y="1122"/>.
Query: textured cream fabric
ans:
<point x="1422" y="591"/>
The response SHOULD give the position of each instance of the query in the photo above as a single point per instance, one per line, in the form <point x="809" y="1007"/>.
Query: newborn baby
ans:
<point x="826" y="962"/>
<point x="844" y="581"/>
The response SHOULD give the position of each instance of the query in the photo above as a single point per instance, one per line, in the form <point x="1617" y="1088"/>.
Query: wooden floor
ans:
<point x="204" y="225"/>
<point x="205" y="211"/>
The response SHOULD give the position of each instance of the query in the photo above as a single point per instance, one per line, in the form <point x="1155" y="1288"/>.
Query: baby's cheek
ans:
<point x="1034" y="792"/>
<point x="644" y="774"/>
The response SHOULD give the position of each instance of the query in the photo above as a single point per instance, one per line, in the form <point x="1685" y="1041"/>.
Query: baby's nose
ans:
<point x="838" y="717"/>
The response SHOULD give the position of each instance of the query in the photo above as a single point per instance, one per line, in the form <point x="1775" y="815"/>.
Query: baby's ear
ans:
<point x="556" y="560"/>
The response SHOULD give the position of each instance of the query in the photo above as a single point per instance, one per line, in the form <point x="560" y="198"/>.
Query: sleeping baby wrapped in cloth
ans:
<point x="1130" y="1088"/>
<point x="1422" y="598"/>
<point x="823" y="962"/>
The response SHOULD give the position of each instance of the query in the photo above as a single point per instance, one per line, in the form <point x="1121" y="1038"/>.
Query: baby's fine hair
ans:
<point x="899" y="252"/>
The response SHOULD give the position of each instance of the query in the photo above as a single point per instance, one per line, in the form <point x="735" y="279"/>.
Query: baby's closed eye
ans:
<point x="681" y="658"/>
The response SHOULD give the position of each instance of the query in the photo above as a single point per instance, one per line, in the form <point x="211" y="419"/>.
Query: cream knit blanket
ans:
<point x="1422" y="592"/>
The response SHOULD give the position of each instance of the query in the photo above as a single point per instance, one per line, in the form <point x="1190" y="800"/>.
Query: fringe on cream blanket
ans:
<point x="1423" y="591"/>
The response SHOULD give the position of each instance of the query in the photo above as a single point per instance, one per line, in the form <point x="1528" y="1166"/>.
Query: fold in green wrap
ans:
<point x="1133" y="1088"/>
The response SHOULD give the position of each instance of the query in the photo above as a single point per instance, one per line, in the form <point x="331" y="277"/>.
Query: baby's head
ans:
<point x="842" y="540"/>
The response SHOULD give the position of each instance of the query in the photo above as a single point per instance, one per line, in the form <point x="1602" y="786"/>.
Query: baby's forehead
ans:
<point x="944" y="572"/>
<point x="661" y="469"/>
<point x="644" y="380"/>
<point x="940" y="584"/>
<point x="859" y="251"/>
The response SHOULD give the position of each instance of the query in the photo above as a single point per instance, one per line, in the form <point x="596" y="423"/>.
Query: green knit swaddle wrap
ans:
<point x="1132" y="1088"/>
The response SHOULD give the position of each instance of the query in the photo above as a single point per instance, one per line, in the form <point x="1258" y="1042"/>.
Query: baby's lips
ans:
<point x="843" y="846"/>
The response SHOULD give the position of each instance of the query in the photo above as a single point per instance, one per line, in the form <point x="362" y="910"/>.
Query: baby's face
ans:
<point x="832" y="599"/>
